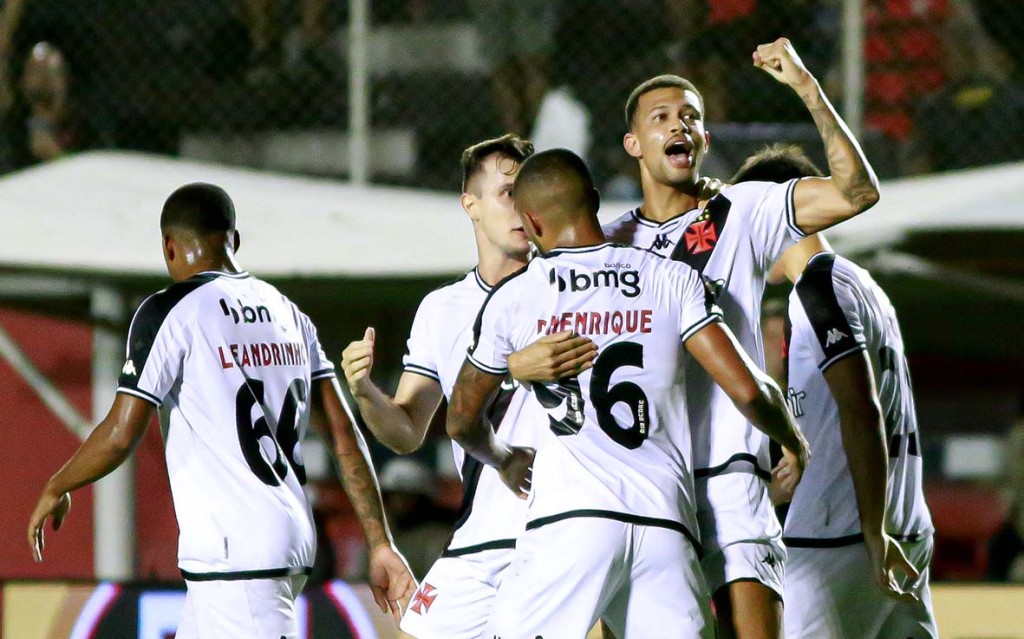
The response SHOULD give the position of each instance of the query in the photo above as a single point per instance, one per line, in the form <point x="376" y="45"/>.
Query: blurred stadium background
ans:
<point x="337" y="126"/>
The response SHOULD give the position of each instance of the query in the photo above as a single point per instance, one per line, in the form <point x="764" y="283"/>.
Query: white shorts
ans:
<point x="733" y="512"/>
<point x="640" y="579"/>
<point x="243" y="609"/>
<point x="456" y="596"/>
<point x="831" y="592"/>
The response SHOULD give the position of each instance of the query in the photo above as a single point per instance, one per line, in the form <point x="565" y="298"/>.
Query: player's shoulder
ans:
<point x="622" y="228"/>
<point x="175" y="301"/>
<point x="830" y="281"/>
<point x="464" y="290"/>
<point x="747" y="195"/>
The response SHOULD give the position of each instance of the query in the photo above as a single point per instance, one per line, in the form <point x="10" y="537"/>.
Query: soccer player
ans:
<point x="611" y="520"/>
<point x="858" y="531"/>
<point x="456" y="596"/>
<point x="241" y="373"/>
<point x="732" y="240"/>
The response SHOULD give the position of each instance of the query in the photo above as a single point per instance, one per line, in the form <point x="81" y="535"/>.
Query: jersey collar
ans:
<point x="480" y="281"/>
<point x="237" y="276"/>
<point x="640" y="219"/>
<point x="577" y="249"/>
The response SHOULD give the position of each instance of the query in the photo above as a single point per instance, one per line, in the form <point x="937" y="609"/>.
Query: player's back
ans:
<point x="837" y="309"/>
<point x="622" y="440"/>
<point x="232" y="361"/>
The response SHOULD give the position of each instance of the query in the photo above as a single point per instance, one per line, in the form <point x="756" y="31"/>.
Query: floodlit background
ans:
<point x="337" y="127"/>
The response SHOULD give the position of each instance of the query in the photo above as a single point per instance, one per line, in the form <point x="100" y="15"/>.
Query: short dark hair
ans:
<point x="658" y="82"/>
<point x="557" y="164"/>
<point x="200" y="207"/>
<point x="777" y="163"/>
<point x="510" y="145"/>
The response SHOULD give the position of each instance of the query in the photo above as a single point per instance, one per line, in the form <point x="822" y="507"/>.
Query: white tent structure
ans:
<point x="86" y="228"/>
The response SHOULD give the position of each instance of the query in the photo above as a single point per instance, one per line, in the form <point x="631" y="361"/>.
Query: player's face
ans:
<point x="491" y="208"/>
<point x="668" y="136"/>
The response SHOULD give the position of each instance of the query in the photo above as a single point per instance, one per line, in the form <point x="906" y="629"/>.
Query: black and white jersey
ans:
<point x="622" y="442"/>
<point x="732" y="243"/>
<point x="231" y="360"/>
<point x="491" y="515"/>
<point x="837" y="310"/>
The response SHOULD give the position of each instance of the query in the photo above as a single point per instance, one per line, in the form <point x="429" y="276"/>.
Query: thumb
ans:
<point x="370" y="335"/>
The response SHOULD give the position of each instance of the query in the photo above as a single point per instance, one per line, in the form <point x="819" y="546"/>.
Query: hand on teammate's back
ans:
<point x="391" y="581"/>
<point x="552" y="358"/>
<point x="517" y="470"/>
<point x="357" y="361"/>
<point x="780" y="60"/>
<point x="888" y="560"/>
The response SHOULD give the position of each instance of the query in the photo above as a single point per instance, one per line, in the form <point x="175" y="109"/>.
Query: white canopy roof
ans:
<point x="98" y="212"/>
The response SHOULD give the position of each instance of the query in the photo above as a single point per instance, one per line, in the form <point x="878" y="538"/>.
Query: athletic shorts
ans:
<point x="242" y="609"/>
<point x="642" y="580"/>
<point x="831" y="592"/>
<point x="740" y="534"/>
<point x="456" y="596"/>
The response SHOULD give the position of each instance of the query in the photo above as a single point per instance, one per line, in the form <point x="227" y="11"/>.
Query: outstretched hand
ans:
<point x="49" y="505"/>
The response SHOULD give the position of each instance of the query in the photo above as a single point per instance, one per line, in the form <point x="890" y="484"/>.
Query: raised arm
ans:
<point x="390" y="579"/>
<point x="752" y="391"/>
<point x="400" y="423"/>
<point x="852" y="384"/>
<point x="852" y="186"/>
<point x="106" y="448"/>
<point x="467" y="427"/>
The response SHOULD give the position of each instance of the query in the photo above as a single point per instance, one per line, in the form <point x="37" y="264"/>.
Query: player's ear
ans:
<point x="707" y="140"/>
<point x="236" y="241"/>
<point x="632" y="144"/>
<point x="169" y="246"/>
<point x="468" y="201"/>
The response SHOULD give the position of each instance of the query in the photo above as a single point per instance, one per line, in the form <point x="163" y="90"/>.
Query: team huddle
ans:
<point x="605" y="400"/>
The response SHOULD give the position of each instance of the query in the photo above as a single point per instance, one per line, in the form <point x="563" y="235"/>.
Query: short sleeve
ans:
<point x="772" y="220"/>
<point x="420" y="357"/>
<point x="492" y="342"/>
<point x="832" y="310"/>
<point x="320" y="367"/>
<point x="697" y="303"/>
<point x="158" y="340"/>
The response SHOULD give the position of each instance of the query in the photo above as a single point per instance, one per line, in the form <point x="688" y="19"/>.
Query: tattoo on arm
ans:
<point x="465" y="425"/>
<point x="847" y="164"/>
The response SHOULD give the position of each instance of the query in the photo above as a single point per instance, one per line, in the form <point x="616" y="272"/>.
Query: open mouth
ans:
<point x="680" y="154"/>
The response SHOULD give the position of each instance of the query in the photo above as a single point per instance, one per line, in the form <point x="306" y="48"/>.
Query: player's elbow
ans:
<point x="403" y="445"/>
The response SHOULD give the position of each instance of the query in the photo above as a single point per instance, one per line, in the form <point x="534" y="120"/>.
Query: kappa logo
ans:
<point x="129" y="368"/>
<point x="834" y="336"/>
<point x="424" y="599"/>
<point x="626" y="281"/>
<point x="661" y="242"/>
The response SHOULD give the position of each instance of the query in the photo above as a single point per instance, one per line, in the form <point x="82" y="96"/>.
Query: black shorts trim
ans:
<point x="847" y="540"/>
<point x="625" y="518"/>
<point x="242" y="575"/>
<point x="500" y="544"/>
<point x="714" y="471"/>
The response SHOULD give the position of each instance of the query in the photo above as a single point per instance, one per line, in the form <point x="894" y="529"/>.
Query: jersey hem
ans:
<point x="714" y="471"/>
<point x="242" y="575"/>
<point x="326" y="373"/>
<point x="141" y="394"/>
<point x="693" y="330"/>
<point x="824" y="366"/>
<point x="626" y="518"/>
<point x="846" y="540"/>
<point x="791" y="209"/>
<point x="422" y="370"/>
<point x="485" y="368"/>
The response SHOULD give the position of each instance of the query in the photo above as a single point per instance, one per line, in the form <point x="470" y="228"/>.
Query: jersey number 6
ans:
<point x="286" y="441"/>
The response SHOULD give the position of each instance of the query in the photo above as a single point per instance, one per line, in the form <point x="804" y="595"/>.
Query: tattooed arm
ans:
<point x="391" y="581"/>
<point x="852" y="186"/>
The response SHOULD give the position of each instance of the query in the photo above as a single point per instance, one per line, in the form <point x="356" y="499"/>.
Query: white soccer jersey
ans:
<point x="837" y="310"/>
<point x="732" y="243"/>
<point x="231" y="359"/>
<point x="622" y="448"/>
<point x="491" y="515"/>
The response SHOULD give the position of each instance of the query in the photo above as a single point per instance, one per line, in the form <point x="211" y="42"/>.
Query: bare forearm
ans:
<point x="769" y="413"/>
<point x="864" y="445"/>
<point x="389" y="422"/>
<point x="465" y="423"/>
<point x="361" y="486"/>
<point x="105" y="449"/>
<point x="847" y="164"/>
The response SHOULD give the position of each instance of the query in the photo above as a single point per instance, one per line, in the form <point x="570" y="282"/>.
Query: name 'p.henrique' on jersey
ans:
<point x="732" y="243"/>
<point x="490" y="515"/>
<point x="231" y="360"/>
<point x="622" y="445"/>
<point x="837" y="310"/>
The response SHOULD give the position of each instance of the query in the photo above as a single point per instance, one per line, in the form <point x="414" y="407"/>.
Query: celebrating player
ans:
<point x="611" y="517"/>
<point x="732" y="241"/>
<point x="859" y="519"/>
<point x="456" y="596"/>
<point x="242" y="374"/>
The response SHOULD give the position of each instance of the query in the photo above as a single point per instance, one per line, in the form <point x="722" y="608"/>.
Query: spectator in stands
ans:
<point x="420" y="529"/>
<point x="1006" y="549"/>
<point x="310" y="50"/>
<point x="53" y="127"/>
<point x="516" y="39"/>
<point x="974" y="120"/>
